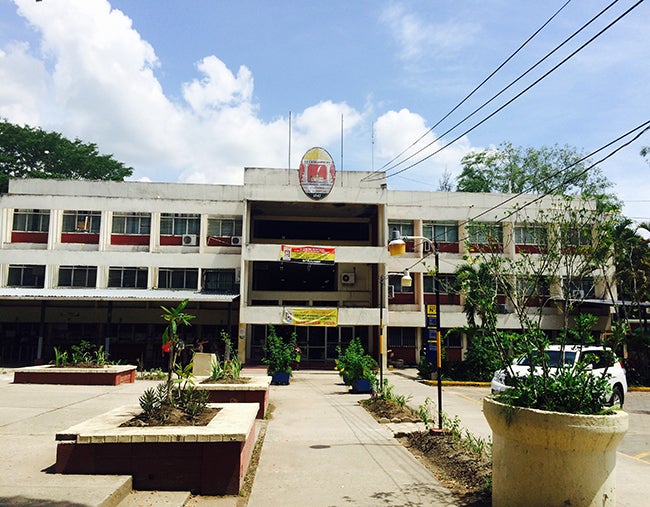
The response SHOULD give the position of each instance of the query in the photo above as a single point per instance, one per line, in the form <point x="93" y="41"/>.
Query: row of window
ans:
<point x="213" y="280"/>
<point x="490" y="233"/>
<point x="171" y="224"/>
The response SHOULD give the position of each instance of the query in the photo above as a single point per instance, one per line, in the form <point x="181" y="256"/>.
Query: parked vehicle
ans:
<point x="603" y="362"/>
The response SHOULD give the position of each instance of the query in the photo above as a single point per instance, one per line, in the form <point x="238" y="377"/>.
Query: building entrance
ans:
<point x="317" y="344"/>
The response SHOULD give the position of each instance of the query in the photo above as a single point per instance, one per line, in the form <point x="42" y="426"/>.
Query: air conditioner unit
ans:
<point x="190" y="240"/>
<point x="391" y="291"/>
<point x="578" y="294"/>
<point x="426" y="247"/>
<point x="347" y="278"/>
<point x="235" y="240"/>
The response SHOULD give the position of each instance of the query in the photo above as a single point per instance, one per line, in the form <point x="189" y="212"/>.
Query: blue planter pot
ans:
<point x="281" y="378"/>
<point x="362" y="386"/>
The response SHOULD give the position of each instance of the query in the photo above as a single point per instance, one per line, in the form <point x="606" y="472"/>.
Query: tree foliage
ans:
<point x="27" y="152"/>
<point x="545" y="170"/>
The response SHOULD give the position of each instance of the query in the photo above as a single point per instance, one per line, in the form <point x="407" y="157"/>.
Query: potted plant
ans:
<point x="280" y="354"/>
<point x="358" y="369"/>
<point x="554" y="441"/>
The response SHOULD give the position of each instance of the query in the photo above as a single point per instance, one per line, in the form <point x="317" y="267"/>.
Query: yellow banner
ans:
<point x="311" y="316"/>
<point x="313" y="254"/>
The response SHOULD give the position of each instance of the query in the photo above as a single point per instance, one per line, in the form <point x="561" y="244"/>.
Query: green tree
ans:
<point x="27" y="152"/>
<point x="514" y="169"/>
<point x="171" y="340"/>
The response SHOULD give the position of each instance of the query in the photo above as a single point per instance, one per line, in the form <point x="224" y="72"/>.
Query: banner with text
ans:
<point x="311" y="316"/>
<point x="308" y="254"/>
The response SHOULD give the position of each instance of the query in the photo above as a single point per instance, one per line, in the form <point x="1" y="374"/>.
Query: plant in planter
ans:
<point x="280" y="355"/>
<point x="177" y="400"/>
<point x="82" y="355"/>
<point x="358" y="369"/>
<point x="549" y="426"/>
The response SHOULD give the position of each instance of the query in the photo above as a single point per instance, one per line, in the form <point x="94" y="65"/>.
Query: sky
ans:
<point x="196" y="90"/>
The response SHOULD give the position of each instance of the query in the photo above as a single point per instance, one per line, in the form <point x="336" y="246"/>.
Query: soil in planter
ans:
<point x="240" y="380"/>
<point x="459" y="469"/>
<point x="173" y="417"/>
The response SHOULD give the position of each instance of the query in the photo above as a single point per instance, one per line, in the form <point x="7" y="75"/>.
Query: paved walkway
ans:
<point x="321" y="448"/>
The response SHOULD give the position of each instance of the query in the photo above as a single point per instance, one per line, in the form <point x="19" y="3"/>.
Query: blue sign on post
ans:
<point x="432" y="335"/>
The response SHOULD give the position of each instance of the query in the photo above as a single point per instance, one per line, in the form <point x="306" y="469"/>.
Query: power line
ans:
<point x="642" y="129"/>
<point x="467" y="97"/>
<point x="534" y="83"/>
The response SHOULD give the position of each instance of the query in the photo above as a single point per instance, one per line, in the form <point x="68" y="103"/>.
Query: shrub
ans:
<point x="280" y="353"/>
<point x="354" y="364"/>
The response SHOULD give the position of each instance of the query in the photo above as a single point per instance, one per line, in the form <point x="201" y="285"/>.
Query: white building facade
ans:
<point x="96" y="260"/>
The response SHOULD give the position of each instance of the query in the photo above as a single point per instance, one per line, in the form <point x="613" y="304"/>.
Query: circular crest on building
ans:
<point x="317" y="173"/>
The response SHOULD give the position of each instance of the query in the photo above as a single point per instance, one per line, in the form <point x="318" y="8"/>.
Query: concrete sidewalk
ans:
<point x="321" y="448"/>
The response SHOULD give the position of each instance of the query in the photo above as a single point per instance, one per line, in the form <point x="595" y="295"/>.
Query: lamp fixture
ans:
<point x="396" y="246"/>
<point x="407" y="281"/>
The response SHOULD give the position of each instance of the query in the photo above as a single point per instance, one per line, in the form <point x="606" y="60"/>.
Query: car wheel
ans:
<point x="617" y="397"/>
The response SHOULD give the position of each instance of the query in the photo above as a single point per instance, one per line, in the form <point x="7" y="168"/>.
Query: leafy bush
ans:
<point x="354" y="364"/>
<point x="82" y="354"/>
<point x="280" y="354"/>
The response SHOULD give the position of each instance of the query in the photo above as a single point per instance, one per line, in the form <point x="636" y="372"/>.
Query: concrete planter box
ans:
<point x="544" y="458"/>
<point x="255" y="391"/>
<point x="112" y="375"/>
<point x="207" y="460"/>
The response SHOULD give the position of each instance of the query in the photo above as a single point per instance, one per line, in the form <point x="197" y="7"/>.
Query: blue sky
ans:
<point x="196" y="90"/>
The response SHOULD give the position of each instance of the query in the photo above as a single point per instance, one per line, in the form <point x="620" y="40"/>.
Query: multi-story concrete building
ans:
<point x="96" y="260"/>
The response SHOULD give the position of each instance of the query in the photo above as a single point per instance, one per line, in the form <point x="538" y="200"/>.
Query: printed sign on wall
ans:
<point x="317" y="173"/>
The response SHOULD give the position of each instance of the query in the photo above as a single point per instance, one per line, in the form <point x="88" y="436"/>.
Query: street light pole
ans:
<point x="382" y="285"/>
<point x="438" y="338"/>
<point x="396" y="247"/>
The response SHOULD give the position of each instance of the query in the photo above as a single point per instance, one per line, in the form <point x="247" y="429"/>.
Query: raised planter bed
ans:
<point x="112" y="375"/>
<point x="254" y="391"/>
<point x="207" y="460"/>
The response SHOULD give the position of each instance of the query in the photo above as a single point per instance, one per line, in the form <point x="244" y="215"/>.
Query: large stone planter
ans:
<point x="254" y="391"/>
<point x="111" y="375"/>
<point x="208" y="460"/>
<point x="553" y="459"/>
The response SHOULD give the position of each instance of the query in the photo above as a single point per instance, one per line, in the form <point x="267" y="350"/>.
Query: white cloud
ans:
<point x="395" y="131"/>
<point x="23" y="85"/>
<point x="219" y="86"/>
<point x="419" y="39"/>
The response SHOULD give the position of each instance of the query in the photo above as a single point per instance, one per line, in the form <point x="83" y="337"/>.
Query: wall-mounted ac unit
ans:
<point x="426" y="247"/>
<point x="347" y="278"/>
<point x="235" y="240"/>
<point x="391" y="291"/>
<point x="578" y="294"/>
<point x="190" y="240"/>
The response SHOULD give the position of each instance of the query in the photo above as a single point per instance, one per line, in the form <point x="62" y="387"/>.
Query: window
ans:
<point x="222" y="281"/>
<point x="81" y="221"/>
<point x="486" y="233"/>
<point x="31" y="220"/>
<point x="396" y="282"/>
<point x="177" y="224"/>
<point x="135" y="278"/>
<point x="532" y="287"/>
<point x="405" y="227"/>
<point x="530" y="235"/>
<point x="224" y="227"/>
<point x="401" y="337"/>
<point x="170" y="278"/>
<point x="131" y="223"/>
<point x="26" y="276"/>
<point x="77" y="276"/>
<point x="443" y="232"/>
<point x="576" y="236"/>
<point x="579" y="289"/>
<point x="447" y="283"/>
